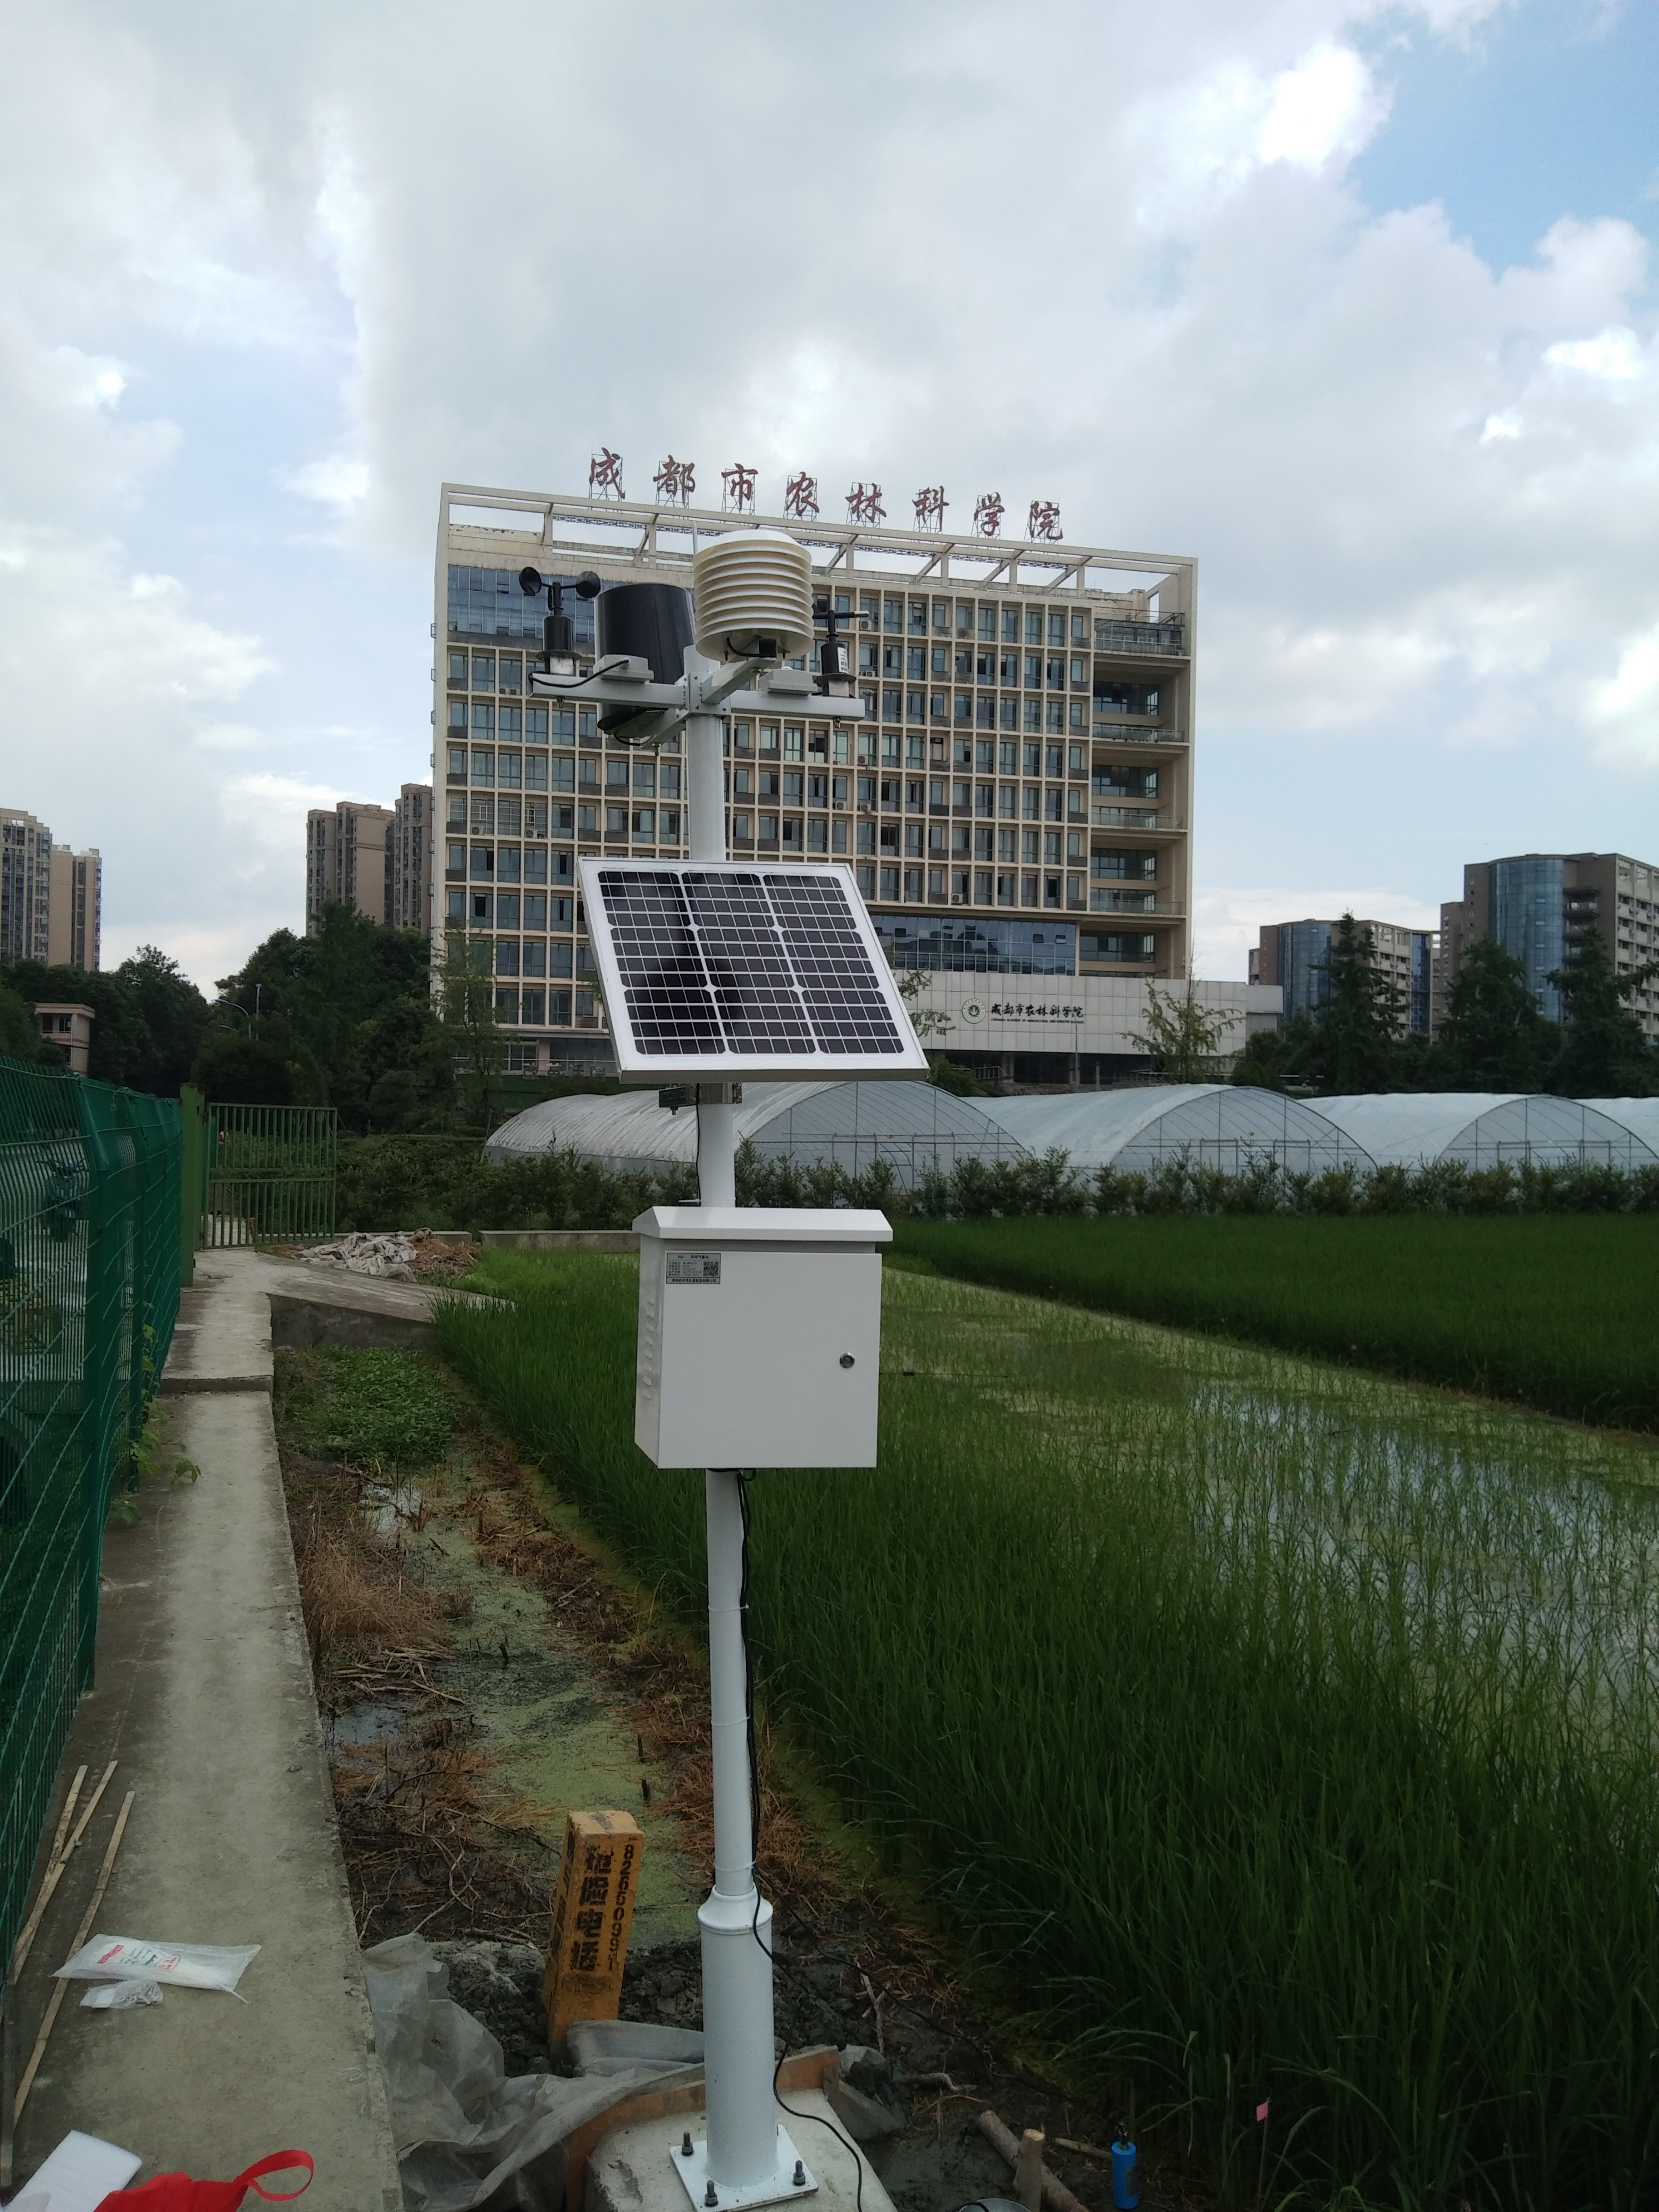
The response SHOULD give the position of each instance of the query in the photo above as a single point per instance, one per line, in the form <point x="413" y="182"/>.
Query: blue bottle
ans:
<point x="1123" y="2177"/>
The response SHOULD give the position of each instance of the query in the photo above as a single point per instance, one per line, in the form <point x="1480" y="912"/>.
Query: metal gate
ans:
<point x="270" y="1175"/>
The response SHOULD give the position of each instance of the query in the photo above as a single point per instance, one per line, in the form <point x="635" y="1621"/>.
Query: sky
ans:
<point x="1354" y="301"/>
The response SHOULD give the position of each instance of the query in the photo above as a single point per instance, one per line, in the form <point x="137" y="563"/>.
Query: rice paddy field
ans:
<point x="1276" y="1730"/>
<point x="1558" y="1311"/>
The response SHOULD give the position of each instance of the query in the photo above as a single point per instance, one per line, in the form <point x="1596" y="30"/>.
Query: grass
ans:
<point x="1280" y="1730"/>
<point x="380" y="1409"/>
<point x="1556" y="1311"/>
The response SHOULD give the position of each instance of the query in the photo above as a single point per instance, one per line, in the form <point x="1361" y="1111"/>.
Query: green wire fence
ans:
<point x="270" y="1175"/>
<point x="90" y="1246"/>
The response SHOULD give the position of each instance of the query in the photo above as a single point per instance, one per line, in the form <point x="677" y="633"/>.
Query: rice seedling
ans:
<point x="1280" y="1731"/>
<point x="1556" y="1311"/>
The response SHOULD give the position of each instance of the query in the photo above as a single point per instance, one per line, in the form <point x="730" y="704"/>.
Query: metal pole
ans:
<point x="735" y="1922"/>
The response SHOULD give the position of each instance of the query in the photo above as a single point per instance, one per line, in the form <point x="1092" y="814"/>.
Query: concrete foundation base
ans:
<point x="635" y="2168"/>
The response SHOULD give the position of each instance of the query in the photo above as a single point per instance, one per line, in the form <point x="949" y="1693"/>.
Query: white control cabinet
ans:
<point x="760" y="1336"/>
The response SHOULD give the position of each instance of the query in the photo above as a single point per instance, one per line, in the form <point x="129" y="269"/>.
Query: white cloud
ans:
<point x="1325" y="107"/>
<point x="1614" y="356"/>
<point x="1626" y="706"/>
<point x="337" y="481"/>
<point x="310" y="258"/>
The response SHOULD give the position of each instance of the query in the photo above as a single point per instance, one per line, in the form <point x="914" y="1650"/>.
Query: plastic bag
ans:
<point x="470" y="2137"/>
<point x="177" y="2192"/>
<point x="177" y="1966"/>
<point x="120" y="1996"/>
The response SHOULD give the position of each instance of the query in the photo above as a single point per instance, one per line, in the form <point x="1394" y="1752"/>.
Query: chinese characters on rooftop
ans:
<point x="675" y="482"/>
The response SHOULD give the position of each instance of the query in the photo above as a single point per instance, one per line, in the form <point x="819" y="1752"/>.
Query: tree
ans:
<point x="470" y="1013"/>
<point x="1181" y="1038"/>
<point x="1494" y="1036"/>
<point x="345" y="1007"/>
<point x="149" y="1018"/>
<point x="1360" y="1023"/>
<point x="1603" y="1054"/>
<point x="19" y="1031"/>
<point x="239" y="1070"/>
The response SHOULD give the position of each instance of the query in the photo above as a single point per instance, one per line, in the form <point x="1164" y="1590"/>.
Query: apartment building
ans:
<point x="1017" y="800"/>
<point x="349" y="857"/>
<point x="1538" y="906"/>
<point x="412" y="843"/>
<point x="1296" y="954"/>
<point x="26" y="851"/>
<point x="74" y="920"/>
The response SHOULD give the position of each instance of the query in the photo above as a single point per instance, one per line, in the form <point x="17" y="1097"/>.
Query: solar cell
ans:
<point x="727" y="969"/>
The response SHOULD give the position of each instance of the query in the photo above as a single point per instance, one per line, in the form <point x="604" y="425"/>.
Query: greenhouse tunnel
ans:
<point x="912" y="1127"/>
<point x="1409" y="1128"/>
<point x="1211" y="1125"/>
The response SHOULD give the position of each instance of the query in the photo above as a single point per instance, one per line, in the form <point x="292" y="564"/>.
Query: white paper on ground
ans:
<point x="179" y="1966"/>
<point x="120" y="1996"/>
<point x="78" y="2176"/>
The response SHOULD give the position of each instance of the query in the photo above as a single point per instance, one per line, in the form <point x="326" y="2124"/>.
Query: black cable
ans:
<point x="773" y="1961"/>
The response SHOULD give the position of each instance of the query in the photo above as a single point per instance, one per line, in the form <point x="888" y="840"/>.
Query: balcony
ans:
<point x="1133" y="818"/>
<point x="1169" y="637"/>
<point x="1102" y="901"/>
<point x="1136" y="734"/>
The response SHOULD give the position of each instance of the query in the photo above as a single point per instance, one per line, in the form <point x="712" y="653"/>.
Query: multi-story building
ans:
<point x="1296" y="954"/>
<point x="1538" y="906"/>
<point x="349" y="857"/>
<point x="75" y="926"/>
<point x="411" y="848"/>
<point x="25" y="886"/>
<point x="1017" y="800"/>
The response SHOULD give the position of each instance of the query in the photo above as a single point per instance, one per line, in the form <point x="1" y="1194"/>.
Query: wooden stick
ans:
<point x="1055" y="2195"/>
<point x="82" y="1934"/>
<point x="61" y="1855"/>
<point x="1028" y="2170"/>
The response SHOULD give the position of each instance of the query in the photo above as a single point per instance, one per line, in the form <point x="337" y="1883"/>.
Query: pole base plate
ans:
<point x="773" y="2189"/>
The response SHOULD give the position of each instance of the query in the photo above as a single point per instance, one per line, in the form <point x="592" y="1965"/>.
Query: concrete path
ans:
<point x="204" y="1697"/>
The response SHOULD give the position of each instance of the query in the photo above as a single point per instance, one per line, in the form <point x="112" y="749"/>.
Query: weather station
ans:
<point x="759" y="1327"/>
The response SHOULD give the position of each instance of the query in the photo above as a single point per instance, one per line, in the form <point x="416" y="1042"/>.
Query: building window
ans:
<point x="890" y="883"/>
<point x="769" y="828"/>
<point x="742" y="829"/>
<point x="645" y="823"/>
<point x="936" y="882"/>
<point x="1032" y="715"/>
<point x="818" y="835"/>
<point x="615" y="821"/>
<point x="913" y="882"/>
<point x="483" y="768"/>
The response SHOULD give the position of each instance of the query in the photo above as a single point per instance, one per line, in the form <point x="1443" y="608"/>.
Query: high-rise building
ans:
<point x="349" y="857"/>
<point x="1296" y="954"/>
<point x="1538" y="906"/>
<point x="1017" y="800"/>
<point x="25" y="886"/>
<point x="76" y="923"/>
<point x="411" y="842"/>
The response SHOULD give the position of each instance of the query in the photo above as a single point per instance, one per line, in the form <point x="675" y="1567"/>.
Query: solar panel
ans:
<point x="715" y="970"/>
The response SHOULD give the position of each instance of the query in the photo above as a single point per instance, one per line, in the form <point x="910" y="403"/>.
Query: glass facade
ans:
<point x="1525" y="904"/>
<point x="979" y="948"/>
<point x="488" y="603"/>
<point x="1304" y="951"/>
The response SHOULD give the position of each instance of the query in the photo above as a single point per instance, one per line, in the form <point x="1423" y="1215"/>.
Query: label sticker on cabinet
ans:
<point x="694" y="1266"/>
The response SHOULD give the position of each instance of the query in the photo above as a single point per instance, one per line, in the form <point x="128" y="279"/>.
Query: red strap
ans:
<point x="276" y="2163"/>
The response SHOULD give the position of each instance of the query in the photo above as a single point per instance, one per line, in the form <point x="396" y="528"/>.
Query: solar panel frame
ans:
<point x="716" y="970"/>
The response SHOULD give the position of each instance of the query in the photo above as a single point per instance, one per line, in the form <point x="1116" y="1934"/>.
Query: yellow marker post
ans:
<point x="592" y="1912"/>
